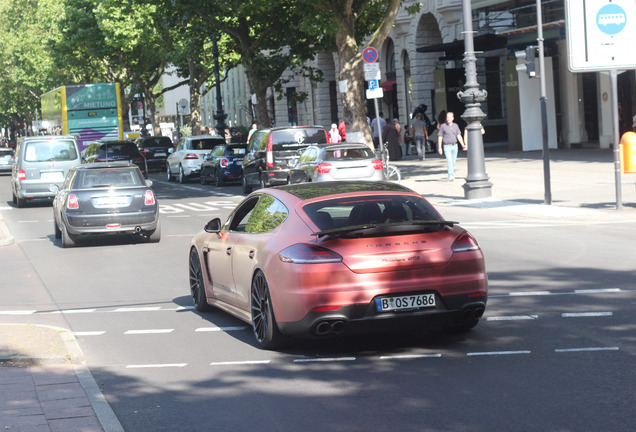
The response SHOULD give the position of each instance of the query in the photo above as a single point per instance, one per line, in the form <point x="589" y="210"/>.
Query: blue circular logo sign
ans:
<point x="611" y="19"/>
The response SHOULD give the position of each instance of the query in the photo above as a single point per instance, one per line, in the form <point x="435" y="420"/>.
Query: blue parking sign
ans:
<point x="374" y="84"/>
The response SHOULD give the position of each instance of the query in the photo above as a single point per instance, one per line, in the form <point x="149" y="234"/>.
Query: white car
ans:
<point x="186" y="159"/>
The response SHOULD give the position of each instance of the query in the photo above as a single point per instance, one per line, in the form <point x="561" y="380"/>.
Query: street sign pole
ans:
<point x="372" y="74"/>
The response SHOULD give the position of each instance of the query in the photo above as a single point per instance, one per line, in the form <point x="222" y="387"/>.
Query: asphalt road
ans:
<point x="554" y="352"/>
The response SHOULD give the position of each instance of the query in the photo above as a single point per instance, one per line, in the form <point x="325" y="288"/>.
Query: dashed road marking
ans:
<point x="585" y="314"/>
<point x="164" y="365"/>
<point x="496" y="353"/>
<point x="239" y="363"/>
<point x="325" y="359"/>
<point x="512" y="318"/>
<point x="220" y="329"/>
<point x="589" y="349"/>
<point x="149" y="331"/>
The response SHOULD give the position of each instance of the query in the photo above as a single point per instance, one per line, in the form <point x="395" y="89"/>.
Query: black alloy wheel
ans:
<point x="264" y="324"/>
<point x="197" y="287"/>
<point x="247" y="189"/>
<point x="168" y="173"/>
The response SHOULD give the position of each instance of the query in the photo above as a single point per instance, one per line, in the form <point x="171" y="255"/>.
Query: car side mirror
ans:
<point x="171" y="150"/>
<point x="214" y="226"/>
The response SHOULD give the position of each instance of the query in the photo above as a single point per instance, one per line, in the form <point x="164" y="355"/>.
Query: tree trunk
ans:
<point x="258" y="88"/>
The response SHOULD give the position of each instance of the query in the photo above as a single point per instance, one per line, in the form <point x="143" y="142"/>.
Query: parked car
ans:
<point x="6" y="159"/>
<point x="273" y="152"/>
<point x="115" y="151"/>
<point x="330" y="258"/>
<point x="155" y="149"/>
<point x="41" y="161"/>
<point x="224" y="164"/>
<point x="105" y="198"/>
<point x="345" y="161"/>
<point x="186" y="159"/>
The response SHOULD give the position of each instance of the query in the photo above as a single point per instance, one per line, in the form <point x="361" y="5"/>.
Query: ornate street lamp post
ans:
<point x="220" y="116"/>
<point x="477" y="185"/>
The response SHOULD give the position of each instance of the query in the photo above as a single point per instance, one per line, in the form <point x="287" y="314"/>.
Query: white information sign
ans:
<point x="372" y="71"/>
<point x="375" y="93"/>
<point x="601" y="34"/>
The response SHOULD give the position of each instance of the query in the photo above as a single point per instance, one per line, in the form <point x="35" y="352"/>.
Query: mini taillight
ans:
<point x="143" y="152"/>
<point x="149" y="198"/>
<point x="270" y="152"/>
<point x="191" y="156"/>
<point x="21" y="175"/>
<point x="464" y="243"/>
<point x="377" y="164"/>
<point x="223" y="163"/>
<point x="72" y="202"/>
<point x="323" y="168"/>
<point x="303" y="253"/>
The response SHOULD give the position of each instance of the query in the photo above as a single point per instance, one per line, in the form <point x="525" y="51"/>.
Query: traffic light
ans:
<point x="528" y="66"/>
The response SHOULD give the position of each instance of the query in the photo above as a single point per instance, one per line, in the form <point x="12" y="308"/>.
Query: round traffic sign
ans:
<point x="370" y="55"/>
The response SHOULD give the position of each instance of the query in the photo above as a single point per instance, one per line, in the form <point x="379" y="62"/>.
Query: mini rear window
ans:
<point x="290" y="139"/>
<point x="206" y="144"/>
<point x="348" y="154"/>
<point x="119" y="177"/>
<point x="50" y="151"/>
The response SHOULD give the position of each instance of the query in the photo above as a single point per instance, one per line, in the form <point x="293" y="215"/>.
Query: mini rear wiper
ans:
<point x="338" y="232"/>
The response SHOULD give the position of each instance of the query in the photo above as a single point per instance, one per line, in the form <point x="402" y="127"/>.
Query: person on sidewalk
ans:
<point x="449" y="136"/>
<point x="334" y="135"/>
<point x="376" y="130"/>
<point x="420" y="135"/>
<point x="391" y="136"/>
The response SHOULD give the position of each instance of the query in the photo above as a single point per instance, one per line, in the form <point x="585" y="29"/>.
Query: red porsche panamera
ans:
<point x="320" y="259"/>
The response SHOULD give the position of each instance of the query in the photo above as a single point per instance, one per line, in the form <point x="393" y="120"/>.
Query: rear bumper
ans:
<point x="78" y="224"/>
<point x="34" y="189"/>
<point x="363" y="319"/>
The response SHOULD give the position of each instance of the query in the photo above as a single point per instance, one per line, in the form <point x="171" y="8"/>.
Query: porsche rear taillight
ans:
<point x="72" y="203"/>
<point x="377" y="164"/>
<point x="464" y="243"/>
<point x="323" y="168"/>
<point x="303" y="253"/>
<point x="149" y="198"/>
<point x="191" y="156"/>
<point x="270" y="152"/>
<point x="21" y="175"/>
<point x="223" y="163"/>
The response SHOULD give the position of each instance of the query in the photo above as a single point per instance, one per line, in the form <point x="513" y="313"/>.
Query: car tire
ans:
<point x="19" y="202"/>
<point x="218" y="180"/>
<point x="264" y="324"/>
<point x="67" y="240"/>
<point x="247" y="189"/>
<point x="155" y="236"/>
<point x="58" y="232"/>
<point x="168" y="173"/>
<point x="15" y="200"/>
<point x="197" y="287"/>
<point x="181" y="176"/>
<point x="203" y="179"/>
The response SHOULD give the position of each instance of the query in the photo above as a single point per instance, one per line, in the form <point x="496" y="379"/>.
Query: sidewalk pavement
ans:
<point x="46" y="386"/>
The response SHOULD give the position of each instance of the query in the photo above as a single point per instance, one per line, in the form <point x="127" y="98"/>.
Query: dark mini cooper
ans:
<point x="105" y="198"/>
<point x="224" y="164"/>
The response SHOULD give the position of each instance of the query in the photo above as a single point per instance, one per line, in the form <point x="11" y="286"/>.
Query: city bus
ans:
<point x="91" y="112"/>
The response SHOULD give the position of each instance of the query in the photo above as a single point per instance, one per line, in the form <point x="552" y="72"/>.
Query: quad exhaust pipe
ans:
<point x="472" y="312"/>
<point x="330" y="327"/>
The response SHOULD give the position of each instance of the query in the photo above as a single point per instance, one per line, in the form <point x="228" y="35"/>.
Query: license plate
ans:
<point x="115" y="201"/>
<point x="52" y="176"/>
<point x="160" y="154"/>
<point x="409" y="302"/>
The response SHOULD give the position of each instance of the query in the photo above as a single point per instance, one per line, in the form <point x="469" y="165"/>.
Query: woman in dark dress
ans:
<point x="391" y="135"/>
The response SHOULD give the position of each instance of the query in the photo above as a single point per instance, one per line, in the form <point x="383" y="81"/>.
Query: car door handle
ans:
<point x="228" y="251"/>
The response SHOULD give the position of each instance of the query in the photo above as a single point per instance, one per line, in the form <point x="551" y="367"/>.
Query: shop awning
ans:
<point x="388" y="85"/>
<point x="485" y="42"/>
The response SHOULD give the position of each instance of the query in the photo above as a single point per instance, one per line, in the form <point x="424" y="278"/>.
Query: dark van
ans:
<point x="271" y="153"/>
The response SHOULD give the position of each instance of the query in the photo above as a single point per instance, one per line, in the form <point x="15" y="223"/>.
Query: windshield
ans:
<point x="50" y="150"/>
<point x="338" y="215"/>
<point x="109" y="177"/>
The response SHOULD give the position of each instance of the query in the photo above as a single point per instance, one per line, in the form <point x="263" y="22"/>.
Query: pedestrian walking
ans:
<point x="375" y="128"/>
<point x="342" y="128"/>
<point x="334" y="135"/>
<point x="391" y="136"/>
<point x="419" y="133"/>
<point x="449" y="137"/>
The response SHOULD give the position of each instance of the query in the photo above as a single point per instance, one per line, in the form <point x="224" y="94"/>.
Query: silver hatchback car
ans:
<point x="40" y="162"/>
<point x="344" y="161"/>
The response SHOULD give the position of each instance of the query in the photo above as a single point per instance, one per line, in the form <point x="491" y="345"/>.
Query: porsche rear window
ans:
<point x="379" y="209"/>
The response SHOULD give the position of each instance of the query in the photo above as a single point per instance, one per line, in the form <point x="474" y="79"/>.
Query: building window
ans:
<point x="493" y="86"/>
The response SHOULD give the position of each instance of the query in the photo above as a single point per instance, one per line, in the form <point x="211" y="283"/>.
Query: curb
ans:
<point x="6" y="238"/>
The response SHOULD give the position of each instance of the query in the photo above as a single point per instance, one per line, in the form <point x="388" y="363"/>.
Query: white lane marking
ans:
<point x="333" y="359"/>
<point x="217" y="329"/>
<point x="409" y="356"/>
<point x="493" y="353"/>
<point x="28" y="221"/>
<point x="6" y="208"/>
<point x="74" y="311"/>
<point x="18" y="312"/>
<point x="180" y="216"/>
<point x="530" y="293"/>
<point x="512" y="318"/>
<point x="138" y="309"/>
<point x="585" y="314"/>
<point x="89" y="333"/>
<point x="149" y="331"/>
<point x="165" y="365"/>
<point x="235" y="363"/>
<point x="595" y="291"/>
<point x="586" y="349"/>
